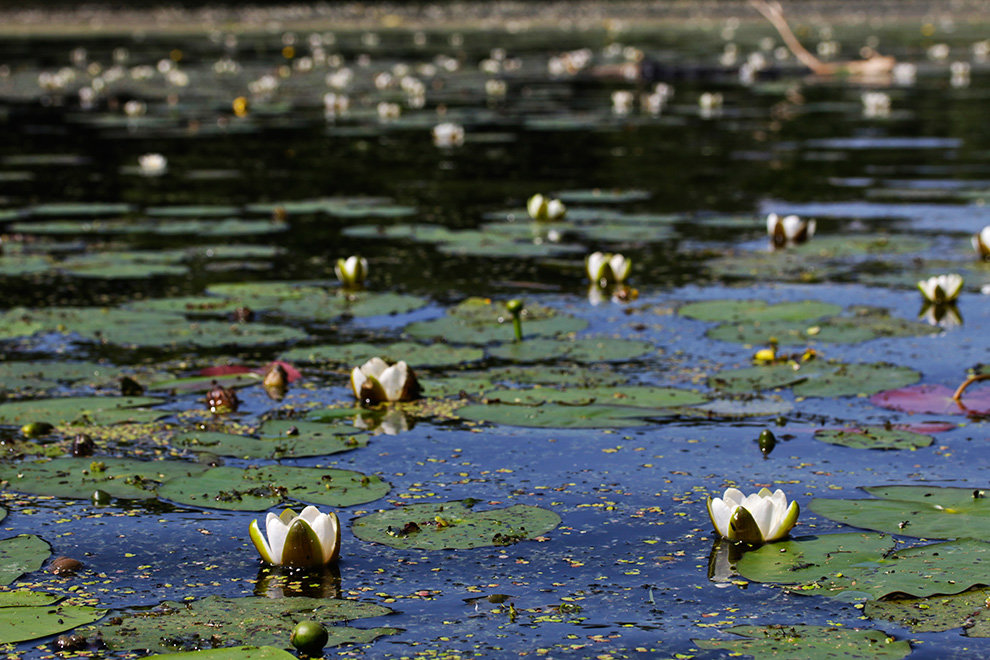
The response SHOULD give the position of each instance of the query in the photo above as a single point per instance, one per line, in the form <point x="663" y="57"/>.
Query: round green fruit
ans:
<point x="309" y="637"/>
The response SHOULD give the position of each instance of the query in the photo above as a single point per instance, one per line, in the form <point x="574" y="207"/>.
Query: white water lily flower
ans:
<point x="981" y="243"/>
<point x="305" y="540"/>
<point x="351" y="271"/>
<point x="789" y="230"/>
<point x="448" y="134"/>
<point x="758" y="518"/>
<point x="605" y="268"/>
<point x="941" y="289"/>
<point x="375" y="381"/>
<point x="152" y="164"/>
<point x="544" y="208"/>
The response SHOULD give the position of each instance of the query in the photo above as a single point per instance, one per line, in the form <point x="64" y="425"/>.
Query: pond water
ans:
<point x="605" y="429"/>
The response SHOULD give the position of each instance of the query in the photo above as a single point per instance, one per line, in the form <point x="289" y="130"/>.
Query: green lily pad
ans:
<point x="79" y="478"/>
<point x="638" y="396"/>
<point x="816" y="378"/>
<point x="23" y="617"/>
<point x="206" y="383"/>
<point x="602" y="196"/>
<point x="454" y="525"/>
<point x="806" y="642"/>
<point x="479" y="382"/>
<point x="21" y="554"/>
<point x="189" y="211"/>
<point x="585" y="349"/>
<point x="231" y="653"/>
<point x="260" y="488"/>
<point x="417" y="355"/>
<point x="866" y="324"/>
<point x="936" y="613"/>
<point x="554" y="415"/>
<point x="851" y="566"/>
<point x="256" y="621"/>
<point x="307" y="439"/>
<point x="80" y="209"/>
<point x="205" y="305"/>
<point x="313" y="301"/>
<point x="121" y="265"/>
<point x="747" y="407"/>
<point x="481" y="321"/>
<point x="18" y="265"/>
<point x="19" y="377"/>
<point x="92" y="409"/>
<point x="874" y="437"/>
<point x="757" y="310"/>
<point x="923" y="511"/>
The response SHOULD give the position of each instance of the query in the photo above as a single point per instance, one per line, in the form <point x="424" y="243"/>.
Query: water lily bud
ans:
<point x="376" y="382"/>
<point x="514" y="306"/>
<point x="753" y="519"/>
<point x="101" y="497"/>
<point x="607" y="269"/>
<point x="544" y="208"/>
<point x="276" y="382"/>
<point x="789" y="230"/>
<point x="309" y="637"/>
<point x="981" y="243"/>
<point x="941" y="289"/>
<point x="222" y="399"/>
<point x="767" y="441"/>
<point x="351" y="271"/>
<point x="83" y="445"/>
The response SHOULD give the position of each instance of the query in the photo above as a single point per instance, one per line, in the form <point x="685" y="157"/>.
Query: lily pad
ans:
<point x="816" y="378"/>
<point x="874" y="437"/>
<point x="26" y="615"/>
<point x="923" y="511"/>
<point x="278" y="439"/>
<point x="806" y="642"/>
<point x="863" y="566"/>
<point x="554" y="415"/>
<point x="20" y="377"/>
<point x="585" y="349"/>
<point x="417" y="355"/>
<point x="90" y="409"/>
<point x="260" y="488"/>
<point x="481" y="321"/>
<point x="21" y="554"/>
<point x="602" y="196"/>
<point x="936" y="613"/>
<point x="18" y="265"/>
<point x="864" y="325"/>
<point x="934" y="400"/>
<point x="454" y="525"/>
<point x="231" y="653"/>
<point x="175" y="626"/>
<point x="79" y="478"/>
<point x="745" y="407"/>
<point x="757" y="310"/>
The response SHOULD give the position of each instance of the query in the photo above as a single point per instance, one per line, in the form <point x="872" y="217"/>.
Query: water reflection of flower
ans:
<point x="448" y="134"/>
<point x="273" y="582"/>
<point x="753" y="519"/>
<point x="722" y="562"/>
<point x="944" y="316"/>
<point x="393" y="422"/>
<point x="308" y="539"/>
<point x="941" y="289"/>
<point x="152" y="164"/>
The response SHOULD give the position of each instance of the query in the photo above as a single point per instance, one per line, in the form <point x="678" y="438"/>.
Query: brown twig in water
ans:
<point x="872" y="66"/>
<point x="957" y="395"/>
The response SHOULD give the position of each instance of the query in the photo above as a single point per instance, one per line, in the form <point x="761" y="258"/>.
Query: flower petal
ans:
<point x="595" y="264"/>
<point x="393" y="380"/>
<point x="786" y="523"/>
<point x="260" y="543"/>
<point x="620" y="267"/>
<point x="743" y="528"/>
<point x="302" y="546"/>
<point x="277" y="528"/>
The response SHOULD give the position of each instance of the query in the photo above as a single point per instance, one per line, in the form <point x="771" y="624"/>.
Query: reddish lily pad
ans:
<point x="934" y="400"/>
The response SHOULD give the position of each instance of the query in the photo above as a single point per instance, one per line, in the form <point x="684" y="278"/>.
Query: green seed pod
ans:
<point x="309" y="637"/>
<point x="37" y="429"/>
<point x="101" y="497"/>
<point x="766" y="441"/>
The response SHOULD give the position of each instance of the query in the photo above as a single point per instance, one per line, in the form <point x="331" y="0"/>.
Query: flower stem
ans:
<point x="957" y="395"/>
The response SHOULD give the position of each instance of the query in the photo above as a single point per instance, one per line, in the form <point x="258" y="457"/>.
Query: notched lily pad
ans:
<point x="19" y="555"/>
<point x="806" y="642"/>
<point x="454" y="525"/>
<point x="260" y="488"/>
<point x="78" y="478"/>
<point x="874" y="437"/>
<point x="277" y="439"/>
<point x="174" y="626"/>
<point x="967" y="610"/>
<point x="923" y="511"/>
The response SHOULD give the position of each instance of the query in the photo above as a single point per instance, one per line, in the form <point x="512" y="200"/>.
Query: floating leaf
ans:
<point x="851" y="566"/>
<point x="924" y="511"/>
<point x="866" y="325"/>
<point x="34" y="376"/>
<point x="816" y="378"/>
<point x="481" y="321"/>
<point x="18" y="265"/>
<point x="179" y="626"/>
<point x="279" y="439"/>
<point x="79" y="477"/>
<point x="748" y="407"/>
<point x="585" y="349"/>
<point x="936" y="613"/>
<point x="90" y="409"/>
<point x="874" y="437"/>
<point x="757" y="310"/>
<point x="417" y="355"/>
<point x="454" y="525"/>
<point x="232" y="653"/>
<point x="806" y="642"/>
<point x="260" y="488"/>
<point x="554" y="415"/>
<point x="19" y="555"/>
<point x="26" y="615"/>
<point x="602" y="196"/>
<point x="934" y="400"/>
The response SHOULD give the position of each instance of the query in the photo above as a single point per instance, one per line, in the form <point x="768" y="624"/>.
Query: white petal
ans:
<point x="357" y="380"/>
<point x="277" y="531"/>
<point x="374" y="367"/>
<point x="393" y="380"/>
<point x="772" y="221"/>
<point x="720" y="514"/>
<point x="762" y="512"/>
<point x="792" y="226"/>
<point x="620" y="267"/>
<point x="537" y="206"/>
<point x="927" y="288"/>
<point x="595" y="264"/>
<point x="555" y="209"/>
<point x="733" y="496"/>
